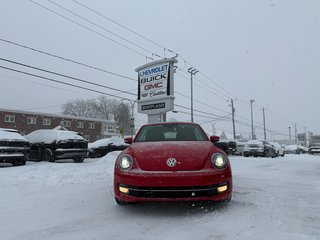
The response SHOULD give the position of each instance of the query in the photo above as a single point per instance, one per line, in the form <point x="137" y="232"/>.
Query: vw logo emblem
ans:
<point x="171" y="162"/>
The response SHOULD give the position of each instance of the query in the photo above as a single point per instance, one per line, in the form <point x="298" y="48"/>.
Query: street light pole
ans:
<point x="192" y="72"/>
<point x="252" y="134"/>
<point x="264" y="125"/>
<point x="289" y="133"/>
<point x="233" y="122"/>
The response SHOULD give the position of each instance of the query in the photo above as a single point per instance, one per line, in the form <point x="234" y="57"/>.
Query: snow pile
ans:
<point x="49" y="136"/>
<point x="116" y="141"/>
<point x="273" y="198"/>
<point x="10" y="136"/>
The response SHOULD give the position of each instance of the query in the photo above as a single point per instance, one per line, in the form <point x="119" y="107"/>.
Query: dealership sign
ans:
<point x="154" y="82"/>
<point x="155" y="87"/>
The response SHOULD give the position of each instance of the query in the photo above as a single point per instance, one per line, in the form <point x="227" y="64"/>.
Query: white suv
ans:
<point x="279" y="149"/>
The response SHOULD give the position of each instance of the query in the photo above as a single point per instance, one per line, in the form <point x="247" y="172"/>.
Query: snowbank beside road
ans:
<point x="273" y="199"/>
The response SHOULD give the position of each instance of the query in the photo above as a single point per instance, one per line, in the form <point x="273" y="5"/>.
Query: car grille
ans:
<point x="73" y="144"/>
<point x="173" y="192"/>
<point x="14" y="144"/>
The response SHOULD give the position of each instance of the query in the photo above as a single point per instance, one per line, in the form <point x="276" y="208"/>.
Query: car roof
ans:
<point x="177" y="123"/>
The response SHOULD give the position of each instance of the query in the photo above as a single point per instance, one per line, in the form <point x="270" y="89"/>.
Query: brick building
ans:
<point x="90" y="128"/>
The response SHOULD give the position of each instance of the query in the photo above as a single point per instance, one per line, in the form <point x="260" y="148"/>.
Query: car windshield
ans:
<point x="171" y="132"/>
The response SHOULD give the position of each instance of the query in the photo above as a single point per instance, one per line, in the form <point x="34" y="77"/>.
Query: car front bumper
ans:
<point x="173" y="186"/>
<point x="61" y="153"/>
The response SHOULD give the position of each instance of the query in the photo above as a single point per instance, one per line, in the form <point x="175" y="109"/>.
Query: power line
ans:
<point x="227" y="96"/>
<point x="153" y="42"/>
<point x="246" y="124"/>
<point x="202" y="103"/>
<point x="66" y="59"/>
<point x="66" y="76"/>
<point x="124" y="27"/>
<point x="200" y="86"/>
<point x="103" y="28"/>
<point x="44" y="85"/>
<point x="60" y="82"/>
<point x="91" y="30"/>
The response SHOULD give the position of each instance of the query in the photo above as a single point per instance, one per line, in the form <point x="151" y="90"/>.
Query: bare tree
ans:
<point x="81" y="108"/>
<point x="102" y="108"/>
<point x="121" y="113"/>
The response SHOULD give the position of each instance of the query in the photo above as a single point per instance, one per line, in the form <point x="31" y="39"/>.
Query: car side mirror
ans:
<point x="128" y="140"/>
<point x="214" y="139"/>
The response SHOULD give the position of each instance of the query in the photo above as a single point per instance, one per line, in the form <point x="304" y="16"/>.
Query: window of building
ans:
<point x="80" y="124"/>
<point x="67" y="123"/>
<point x="108" y="128"/>
<point x="46" y="122"/>
<point x="87" y="137"/>
<point x="9" y="118"/>
<point x="31" y="120"/>
<point x="92" y="126"/>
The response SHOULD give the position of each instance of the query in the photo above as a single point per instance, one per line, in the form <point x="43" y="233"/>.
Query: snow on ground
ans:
<point x="273" y="199"/>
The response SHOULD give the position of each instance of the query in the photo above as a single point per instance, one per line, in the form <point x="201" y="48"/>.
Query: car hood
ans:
<point x="153" y="156"/>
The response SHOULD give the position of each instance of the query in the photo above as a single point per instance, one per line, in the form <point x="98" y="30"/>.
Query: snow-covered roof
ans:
<point x="49" y="136"/>
<point x="256" y="142"/>
<point x="291" y="147"/>
<point x="106" y="141"/>
<point x="11" y="134"/>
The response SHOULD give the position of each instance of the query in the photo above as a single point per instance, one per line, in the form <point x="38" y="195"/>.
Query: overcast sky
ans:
<point x="268" y="51"/>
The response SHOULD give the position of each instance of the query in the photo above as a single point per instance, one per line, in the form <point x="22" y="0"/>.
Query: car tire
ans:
<point x="19" y="162"/>
<point x="120" y="202"/>
<point x="78" y="159"/>
<point x="47" y="155"/>
<point x="97" y="154"/>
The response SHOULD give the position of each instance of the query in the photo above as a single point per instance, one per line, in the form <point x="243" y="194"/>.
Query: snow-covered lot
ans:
<point x="273" y="199"/>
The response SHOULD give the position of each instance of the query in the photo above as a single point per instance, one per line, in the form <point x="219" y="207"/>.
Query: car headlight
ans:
<point x="125" y="162"/>
<point x="219" y="161"/>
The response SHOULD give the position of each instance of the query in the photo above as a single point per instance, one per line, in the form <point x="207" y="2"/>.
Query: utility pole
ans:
<point x="295" y="134"/>
<point x="289" y="133"/>
<point x="264" y="125"/>
<point x="192" y="72"/>
<point x="233" y="122"/>
<point x="252" y="133"/>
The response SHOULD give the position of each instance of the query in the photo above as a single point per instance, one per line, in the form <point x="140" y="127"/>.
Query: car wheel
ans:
<point x="18" y="162"/>
<point x="23" y="162"/>
<point x="78" y="159"/>
<point x="97" y="154"/>
<point x="47" y="155"/>
<point x="120" y="202"/>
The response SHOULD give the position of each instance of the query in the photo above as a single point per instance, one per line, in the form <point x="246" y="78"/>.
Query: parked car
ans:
<point x="240" y="147"/>
<point x="14" y="148"/>
<point x="228" y="146"/>
<point x="314" y="149"/>
<point x="172" y="161"/>
<point x="102" y="147"/>
<point x="51" y="145"/>
<point x="278" y="148"/>
<point x="295" y="149"/>
<point x="259" y="148"/>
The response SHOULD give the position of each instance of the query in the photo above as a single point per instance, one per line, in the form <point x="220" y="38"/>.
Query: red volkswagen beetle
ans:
<point x="172" y="162"/>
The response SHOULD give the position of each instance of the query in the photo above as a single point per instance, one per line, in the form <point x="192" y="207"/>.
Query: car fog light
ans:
<point x="222" y="188"/>
<point x="123" y="189"/>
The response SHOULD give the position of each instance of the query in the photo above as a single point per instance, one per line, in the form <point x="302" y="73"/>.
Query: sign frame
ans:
<point x="155" y="81"/>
